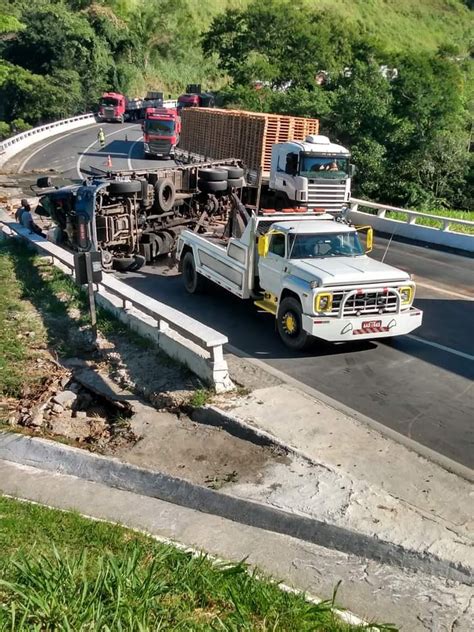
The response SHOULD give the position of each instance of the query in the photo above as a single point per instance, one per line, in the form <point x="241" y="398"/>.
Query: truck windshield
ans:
<point x="156" y="126"/>
<point x="109" y="101"/>
<point x="305" y="246"/>
<point x="324" y="166"/>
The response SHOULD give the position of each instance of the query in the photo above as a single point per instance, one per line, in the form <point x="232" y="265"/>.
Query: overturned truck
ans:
<point x="133" y="218"/>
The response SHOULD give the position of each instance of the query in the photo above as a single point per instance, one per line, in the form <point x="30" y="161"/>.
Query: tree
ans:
<point x="269" y="41"/>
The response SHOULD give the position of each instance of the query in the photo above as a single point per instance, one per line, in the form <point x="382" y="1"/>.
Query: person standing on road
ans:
<point x="24" y="207"/>
<point x="101" y="138"/>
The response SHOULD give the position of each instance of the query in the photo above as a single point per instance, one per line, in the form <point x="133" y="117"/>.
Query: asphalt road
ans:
<point x="420" y="385"/>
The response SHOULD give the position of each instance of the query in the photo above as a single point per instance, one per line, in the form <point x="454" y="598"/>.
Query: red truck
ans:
<point x="161" y="131"/>
<point x="117" y="107"/>
<point x="112" y="107"/>
<point x="194" y="98"/>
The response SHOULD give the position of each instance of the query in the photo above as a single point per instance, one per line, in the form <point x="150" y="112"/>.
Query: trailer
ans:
<point x="117" y="107"/>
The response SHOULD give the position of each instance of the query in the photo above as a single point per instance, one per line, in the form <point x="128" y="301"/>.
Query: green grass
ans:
<point x="62" y="572"/>
<point x="434" y="223"/>
<point x="401" y="25"/>
<point x="200" y="397"/>
<point x="20" y="331"/>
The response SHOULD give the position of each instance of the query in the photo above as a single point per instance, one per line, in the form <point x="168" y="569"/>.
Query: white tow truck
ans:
<point x="309" y="270"/>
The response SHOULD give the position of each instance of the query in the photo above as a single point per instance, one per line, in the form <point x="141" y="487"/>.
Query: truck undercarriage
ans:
<point x="134" y="217"/>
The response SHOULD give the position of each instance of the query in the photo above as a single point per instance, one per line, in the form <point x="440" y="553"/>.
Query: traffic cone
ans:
<point x="109" y="161"/>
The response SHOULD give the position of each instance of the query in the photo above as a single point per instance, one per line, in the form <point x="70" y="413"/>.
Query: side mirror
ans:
<point x="369" y="243"/>
<point x="44" y="182"/>
<point x="352" y="170"/>
<point x="263" y="245"/>
<point x="369" y="240"/>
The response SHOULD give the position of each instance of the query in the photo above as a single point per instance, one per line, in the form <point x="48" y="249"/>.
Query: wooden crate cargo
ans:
<point x="248" y="136"/>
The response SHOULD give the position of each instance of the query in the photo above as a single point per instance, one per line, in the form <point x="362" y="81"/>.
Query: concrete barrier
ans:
<point x="409" y="229"/>
<point x="181" y="337"/>
<point x="15" y="144"/>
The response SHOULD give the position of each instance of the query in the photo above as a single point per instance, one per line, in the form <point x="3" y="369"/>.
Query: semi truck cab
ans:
<point x="315" y="173"/>
<point x="161" y="130"/>
<point x="112" y="107"/>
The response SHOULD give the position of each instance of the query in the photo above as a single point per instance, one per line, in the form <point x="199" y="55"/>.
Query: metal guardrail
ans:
<point x="198" y="346"/>
<point x="409" y="228"/>
<point x="411" y="215"/>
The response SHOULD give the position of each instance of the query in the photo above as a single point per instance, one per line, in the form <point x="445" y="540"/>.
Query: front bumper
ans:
<point x="369" y="326"/>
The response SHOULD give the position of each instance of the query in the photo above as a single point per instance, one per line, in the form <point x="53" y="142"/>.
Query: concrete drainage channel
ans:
<point x="48" y="455"/>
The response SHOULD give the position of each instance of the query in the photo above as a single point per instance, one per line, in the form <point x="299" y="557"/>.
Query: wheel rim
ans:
<point x="290" y="324"/>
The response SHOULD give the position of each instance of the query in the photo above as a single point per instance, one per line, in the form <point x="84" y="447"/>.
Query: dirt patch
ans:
<point x="200" y="454"/>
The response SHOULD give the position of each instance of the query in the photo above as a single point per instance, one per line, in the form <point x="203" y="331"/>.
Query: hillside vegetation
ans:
<point x="409" y="130"/>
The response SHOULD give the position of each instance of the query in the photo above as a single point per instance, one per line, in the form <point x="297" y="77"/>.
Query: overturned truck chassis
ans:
<point x="134" y="217"/>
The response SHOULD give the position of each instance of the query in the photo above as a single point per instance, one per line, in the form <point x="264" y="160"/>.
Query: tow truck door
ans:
<point x="271" y="267"/>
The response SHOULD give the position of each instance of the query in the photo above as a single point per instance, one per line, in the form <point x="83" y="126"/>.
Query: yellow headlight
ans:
<point x="323" y="302"/>
<point x="406" y="294"/>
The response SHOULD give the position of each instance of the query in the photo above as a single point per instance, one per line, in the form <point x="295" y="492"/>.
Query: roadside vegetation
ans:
<point x="59" y="571"/>
<point x="392" y="81"/>
<point x="44" y="324"/>
<point x="435" y="223"/>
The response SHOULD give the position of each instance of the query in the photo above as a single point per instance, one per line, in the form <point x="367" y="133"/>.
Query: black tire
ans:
<point x="235" y="183"/>
<point x="212" y="175"/>
<point x="165" y="196"/>
<point x="123" y="264"/>
<point x="193" y="281"/>
<point x="125" y="188"/>
<point x="234" y="172"/>
<point x="212" y="187"/>
<point x="139" y="262"/>
<point x="290" y="316"/>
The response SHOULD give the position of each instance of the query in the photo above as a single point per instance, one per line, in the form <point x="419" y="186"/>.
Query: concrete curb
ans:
<point x="51" y="456"/>
<point x="427" y="453"/>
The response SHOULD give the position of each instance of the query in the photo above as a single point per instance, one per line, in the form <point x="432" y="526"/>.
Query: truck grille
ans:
<point x="160" y="147"/>
<point x="328" y="195"/>
<point x="109" y="113"/>
<point x="364" y="303"/>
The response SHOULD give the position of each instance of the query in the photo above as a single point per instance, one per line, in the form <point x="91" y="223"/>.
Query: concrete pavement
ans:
<point x="412" y="600"/>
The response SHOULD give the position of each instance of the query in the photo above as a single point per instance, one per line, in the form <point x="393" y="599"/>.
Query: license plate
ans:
<point x="370" y="324"/>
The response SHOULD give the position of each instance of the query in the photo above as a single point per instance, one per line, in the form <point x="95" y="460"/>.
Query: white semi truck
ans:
<point x="309" y="270"/>
<point x="287" y="162"/>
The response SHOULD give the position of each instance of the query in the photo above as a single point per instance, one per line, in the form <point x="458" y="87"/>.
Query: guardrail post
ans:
<point x="163" y="326"/>
<point x="445" y="226"/>
<point x="381" y="212"/>
<point x="220" y="371"/>
<point x="411" y="218"/>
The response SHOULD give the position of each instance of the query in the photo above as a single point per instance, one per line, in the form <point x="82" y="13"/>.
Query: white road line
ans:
<point x="436" y="345"/>
<point x="436" y="288"/>
<point x="55" y="140"/>
<point x="79" y="160"/>
<point x="130" y="153"/>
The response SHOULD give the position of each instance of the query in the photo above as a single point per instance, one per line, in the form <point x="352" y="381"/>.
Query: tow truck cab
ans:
<point x="311" y="272"/>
